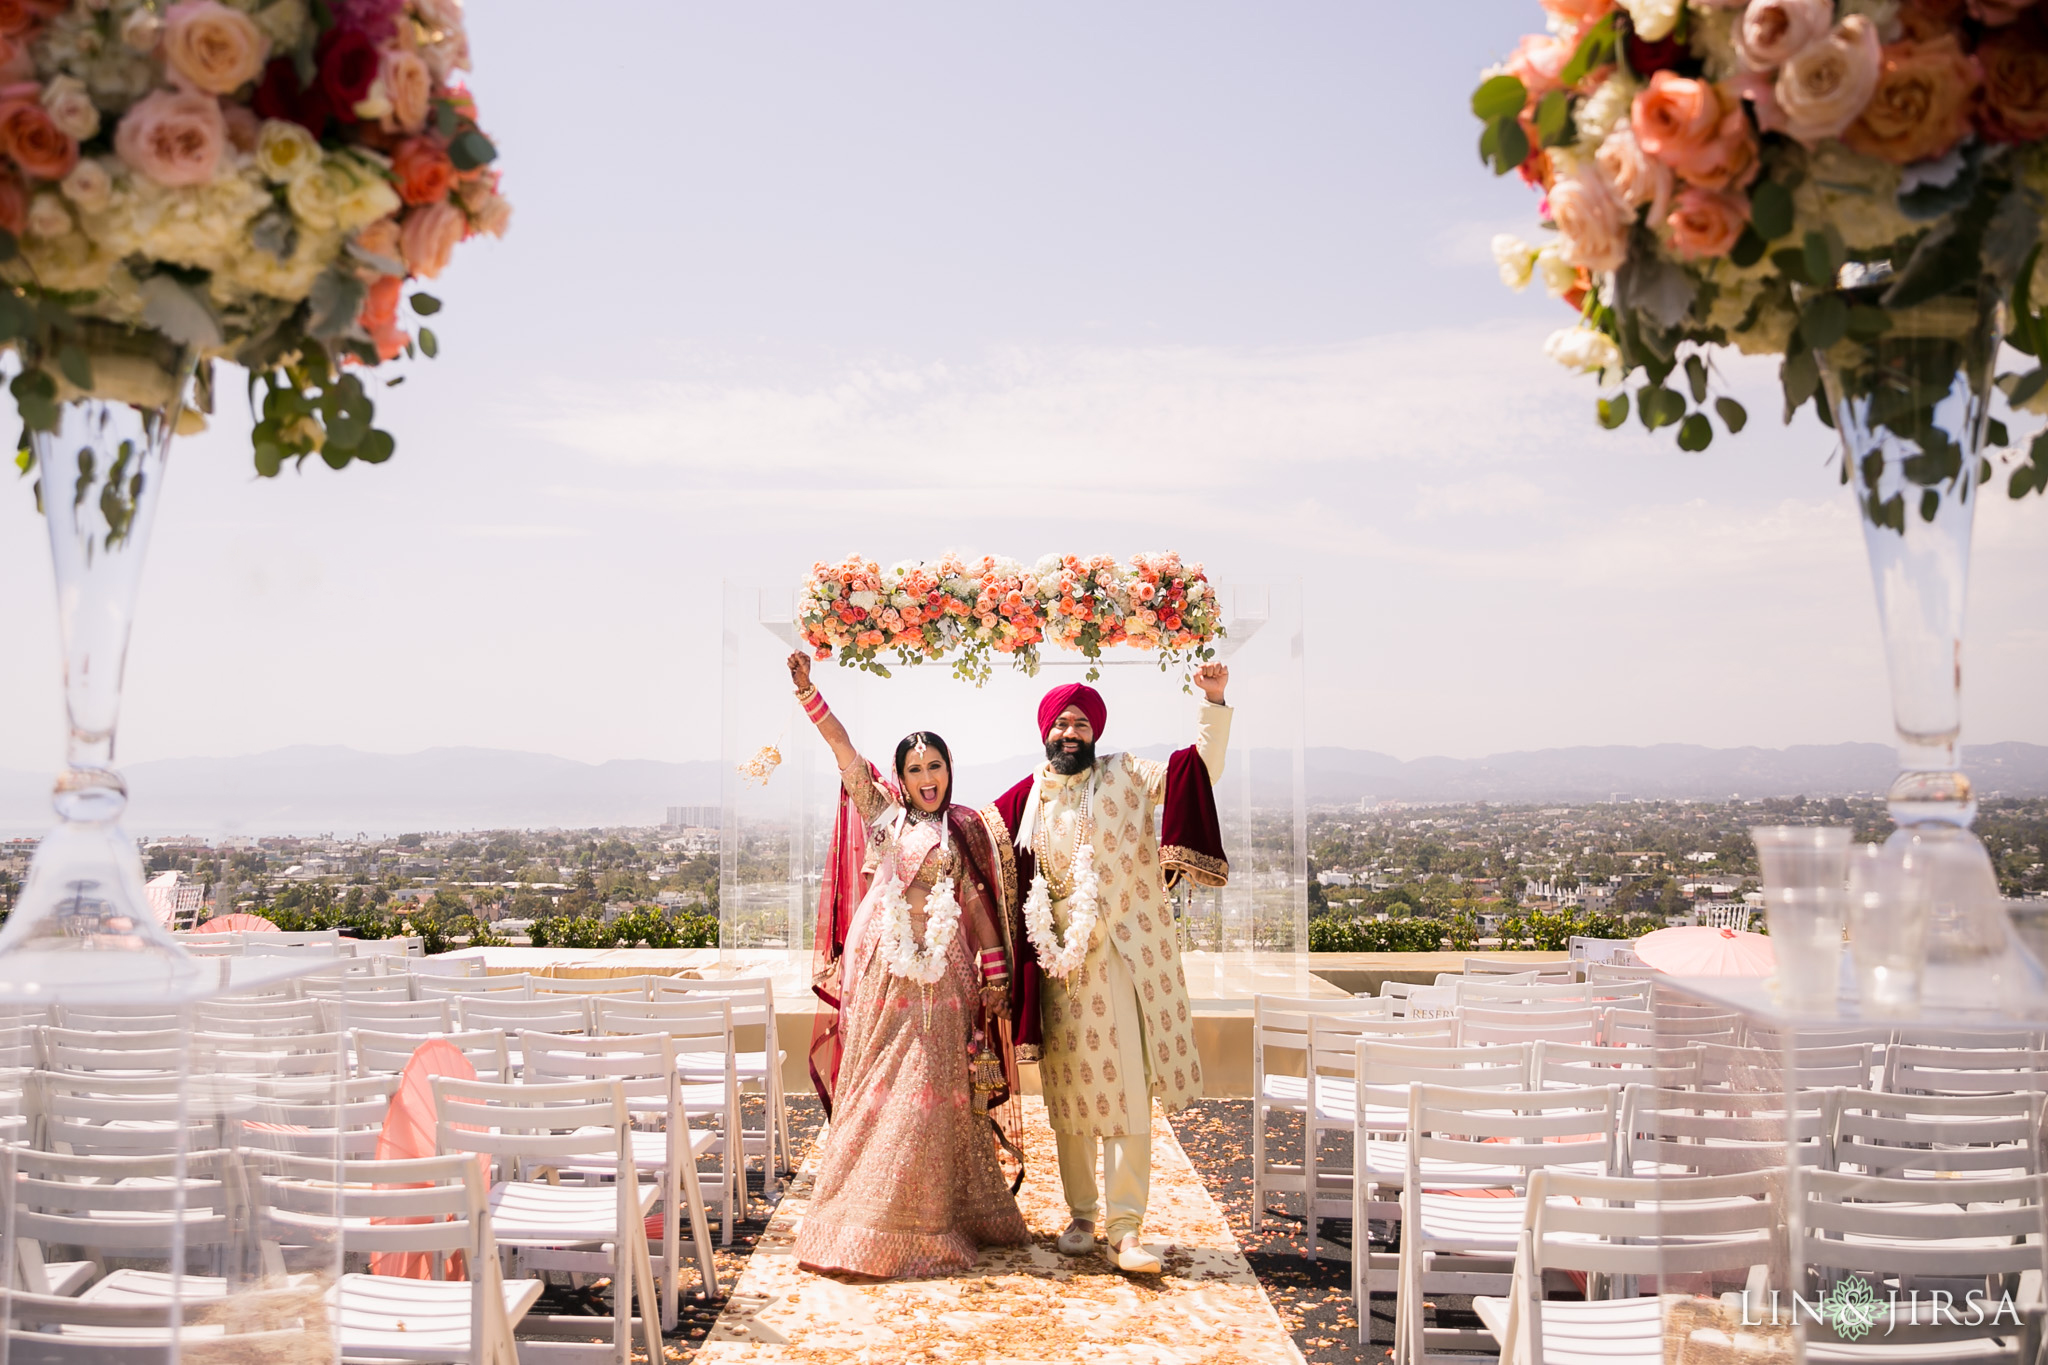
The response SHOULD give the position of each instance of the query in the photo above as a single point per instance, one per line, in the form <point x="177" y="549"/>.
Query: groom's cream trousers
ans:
<point x="1126" y="1161"/>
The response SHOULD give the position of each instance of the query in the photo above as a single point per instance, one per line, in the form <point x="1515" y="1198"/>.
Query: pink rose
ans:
<point x="428" y="237"/>
<point x="1706" y="223"/>
<point x="211" y="47"/>
<point x="1728" y="158"/>
<point x="1592" y="222"/>
<point x="1638" y="178"/>
<point x="1822" y="89"/>
<point x="1574" y="17"/>
<point x="174" y="137"/>
<point x="1925" y="95"/>
<point x="1674" y="116"/>
<point x="1536" y="62"/>
<point x="1772" y="32"/>
<point x="410" y="88"/>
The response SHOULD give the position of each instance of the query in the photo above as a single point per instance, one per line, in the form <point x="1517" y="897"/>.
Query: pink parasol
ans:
<point x="237" y="924"/>
<point x="1701" y="950"/>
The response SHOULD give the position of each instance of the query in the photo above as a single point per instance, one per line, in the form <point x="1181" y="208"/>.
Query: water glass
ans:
<point x="1804" y="868"/>
<point x="1890" y="901"/>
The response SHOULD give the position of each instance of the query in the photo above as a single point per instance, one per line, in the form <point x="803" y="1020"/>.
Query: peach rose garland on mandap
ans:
<point x="925" y="611"/>
<point x="1807" y="179"/>
<point x="260" y="181"/>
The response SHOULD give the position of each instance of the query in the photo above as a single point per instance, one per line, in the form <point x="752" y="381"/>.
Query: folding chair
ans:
<point x="623" y="987"/>
<point x="418" y="1017"/>
<point x="1939" y="1136"/>
<point x="525" y="1129"/>
<point x="1662" y="1027"/>
<point x="235" y="1015"/>
<point x="1727" y="1067"/>
<point x="1525" y="995"/>
<point x="386" y="1054"/>
<point x="1718" y="1132"/>
<point x="645" y="1064"/>
<point x="1916" y="1069"/>
<point x="320" y="1120"/>
<point x="1577" y="1025"/>
<point x="702" y="1029"/>
<point x="1562" y="972"/>
<point x="517" y="985"/>
<point x="753" y="1005"/>
<point x="1568" y="1065"/>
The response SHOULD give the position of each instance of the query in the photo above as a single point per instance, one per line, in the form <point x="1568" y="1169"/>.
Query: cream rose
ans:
<point x="1584" y="350"/>
<point x="1637" y="177"/>
<point x="1560" y="276"/>
<point x="1515" y="259"/>
<point x="285" y="151"/>
<point x="211" y="47"/>
<point x="1822" y="89"/>
<point x="89" y="186"/>
<point x="362" y="195"/>
<point x="69" y="105"/>
<point x="141" y="29"/>
<point x="1653" y="20"/>
<point x="429" y="236"/>
<point x="408" y="88"/>
<point x="1772" y="32"/>
<point x="1592" y="223"/>
<point x="47" y="216"/>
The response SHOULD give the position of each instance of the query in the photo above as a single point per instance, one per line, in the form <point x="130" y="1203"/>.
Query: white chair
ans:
<point x="1620" y="1229"/>
<point x="137" y="1211"/>
<point x="527" y="1128"/>
<point x="1419" y="1002"/>
<point x="1915" y="1069"/>
<point x="418" y="1017"/>
<point x="136" y="1052"/>
<point x="1664" y="1027"/>
<point x="1611" y="973"/>
<point x="403" y="947"/>
<point x="386" y="1054"/>
<point x="1569" y="1065"/>
<point x="623" y="987"/>
<point x="1909" y="1239"/>
<point x="105" y="1114"/>
<point x="318" y="1120"/>
<point x="1718" y="1132"/>
<point x="556" y="1014"/>
<point x="1560" y="971"/>
<point x="356" y="989"/>
<point x="1938" y="1136"/>
<point x="1527" y="995"/>
<point x="645" y="1064"/>
<point x="115" y="1019"/>
<point x="1604" y="951"/>
<point x="1727" y="1067"/>
<point x="45" y="1329"/>
<point x="518" y="985"/>
<point x="234" y="1015"/>
<point x="1517" y="1025"/>
<point x="434" y="1205"/>
<point x="753" y="1006"/>
<point x="702" y="1030"/>
<point x="1453" y="1244"/>
<point x="1387" y="1073"/>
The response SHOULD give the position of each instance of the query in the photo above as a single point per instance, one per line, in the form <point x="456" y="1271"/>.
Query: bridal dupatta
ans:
<point x="843" y="886"/>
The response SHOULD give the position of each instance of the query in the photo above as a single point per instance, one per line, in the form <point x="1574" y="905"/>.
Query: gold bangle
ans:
<point x="804" y="696"/>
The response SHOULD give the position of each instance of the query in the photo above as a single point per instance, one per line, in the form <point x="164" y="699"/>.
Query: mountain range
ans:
<point x="327" y="789"/>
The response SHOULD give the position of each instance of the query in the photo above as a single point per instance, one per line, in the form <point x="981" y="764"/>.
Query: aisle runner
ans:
<point x="1020" y="1304"/>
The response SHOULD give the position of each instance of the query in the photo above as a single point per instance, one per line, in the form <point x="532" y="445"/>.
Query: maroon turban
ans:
<point x="1072" y="694"/>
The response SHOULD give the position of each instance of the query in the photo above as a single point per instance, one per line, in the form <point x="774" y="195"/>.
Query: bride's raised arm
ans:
<point x="869" y="798"/>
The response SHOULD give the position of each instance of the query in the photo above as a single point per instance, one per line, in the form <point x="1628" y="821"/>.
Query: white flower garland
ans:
<point x="1055" y="958"/>
<point x="899" y="944"/>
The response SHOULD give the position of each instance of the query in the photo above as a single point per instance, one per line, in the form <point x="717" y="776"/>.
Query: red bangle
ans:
<point x="815" y="707"/>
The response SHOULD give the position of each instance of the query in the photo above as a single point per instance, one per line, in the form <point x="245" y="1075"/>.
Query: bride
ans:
<point x="912" y="1056"/>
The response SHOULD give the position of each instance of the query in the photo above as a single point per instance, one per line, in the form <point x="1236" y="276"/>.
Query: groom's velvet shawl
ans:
<point x="1190" y="845"/>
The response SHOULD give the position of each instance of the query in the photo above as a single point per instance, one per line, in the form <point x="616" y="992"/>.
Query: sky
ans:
<point x="790" y="281"/>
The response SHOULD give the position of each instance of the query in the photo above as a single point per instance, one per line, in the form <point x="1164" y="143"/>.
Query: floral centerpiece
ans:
<point x="250" y="180"/>
<point x="1853" y="184"/>
<point x="926" y="611"/>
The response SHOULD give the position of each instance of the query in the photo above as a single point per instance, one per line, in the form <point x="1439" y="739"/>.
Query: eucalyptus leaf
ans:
<point x="1748" y="248"/>
<point x="1824" y="320"/>
<point x="1733" y="415"/>
<point x="1696" y="377"/>
<point x="430" y="345"/>
<point x="2025" y="386"/>
<point x="75" y="364"/>
<point x="1510" y="145"/>
<point x="1655" y="287"/>
<point x="1770" y="210"/>
<point x="1695" y="432"/>
<point x="1554" y="119"/>
<point x="1996" y="434"/>
<point x="1613" y="411"/>
<point x="1800" y="375"/>
<point x="336" y="301"/>
<point x="471" y="150"/>
<point x="1498" y="97"/>
<point x="426" y="305"/>
<point x="179" y="313"/>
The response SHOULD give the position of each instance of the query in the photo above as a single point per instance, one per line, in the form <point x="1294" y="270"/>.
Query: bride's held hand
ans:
<point x="800" y="670"/>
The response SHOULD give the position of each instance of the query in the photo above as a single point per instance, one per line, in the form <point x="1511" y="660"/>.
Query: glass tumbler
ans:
<point x="1890" y="898"/>
<point x="1804" y="870"/>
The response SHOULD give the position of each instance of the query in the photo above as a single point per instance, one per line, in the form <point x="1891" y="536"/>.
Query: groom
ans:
<point x="1100" y="990"/>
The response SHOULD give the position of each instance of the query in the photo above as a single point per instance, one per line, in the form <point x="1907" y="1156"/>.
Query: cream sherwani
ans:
<point x="1118" y="1030"/>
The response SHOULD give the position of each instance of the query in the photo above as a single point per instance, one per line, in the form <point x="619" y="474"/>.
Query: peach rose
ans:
<point x="1706" y="223"/>
<point x="2015" y="66"/>
<point x="428" y="237"/>
<point x="1674" y="116"/>
<point x="1574" y="17"/>
<point x="381" y="239"/>
<point x="409" y="87"/>
<point x="211" y="47"/>
<point x="33" y="141"/>
<point x="1727" y="159"/>
<point x="1536" y="62"/>
<point x="1592" y="222"/>
<point x="71" y="107"/>
<point x="1921" y="108"/>
<point x="175" y="137"/>
<point x="1998" y="13"/>
<point x="1772" y="32"/>
<point x="1822" y="89"/>
<point x="423" y="169"/>
<point x="380" y="316"/>
<point x="1638" y="178"/>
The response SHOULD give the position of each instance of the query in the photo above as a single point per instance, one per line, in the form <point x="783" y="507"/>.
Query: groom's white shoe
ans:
<point x="1078" y="1239"/>
<point x="1131" y="1256"/>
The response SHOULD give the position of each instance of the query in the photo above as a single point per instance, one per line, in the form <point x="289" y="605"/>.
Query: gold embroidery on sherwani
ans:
<point x="1087" y="1093"/>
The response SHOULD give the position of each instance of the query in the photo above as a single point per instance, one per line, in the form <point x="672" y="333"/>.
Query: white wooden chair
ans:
<point x="417" y="1017"/>
<point x="135" y="1052"/>
<point x="623" y="987"/>
<point x="1561" y="971"/>
<point x="1937" y="1136"/>
<point x="1409" y="1001"/>
<point x="582" y="1228"/>
<point x="434" y="1205"/>
<point x="386" y="1054"/>
<point x="234" y="1015"/>
<point x="753" y="1005"/>
<point x="1724" y="1066"/>
<point x="1453" y="1244"/>
<point x="1917" y="1069"/>
<point x="100" y="1114"/>
<point x="136" y="1211"/>
<point x="1614" y="973"/>
<point x="1718" y="1132"/>
<point x="47" y="1329"/>
<point x="1587" y="952"/>
<point x="702" y="1029"/>
<point x="404" y="948"/>
<point x="1663" y="1027"/>
<point x="1518" y="1025"/>
<point x="518" y="985"/>
<point x="555" y="1014"/>
<point x="1619" y="1230"/>
<point x="1568" y="1065"/>
<point x="645" y="1064"/>
<point x="357" y="989"/>
<point x="1910" y="1238"/>
<point x="318" y="1120"/>
<point x="1523" y="994"/>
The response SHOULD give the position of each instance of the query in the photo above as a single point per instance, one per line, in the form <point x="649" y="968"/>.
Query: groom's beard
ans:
<point x="1070" y="756"/>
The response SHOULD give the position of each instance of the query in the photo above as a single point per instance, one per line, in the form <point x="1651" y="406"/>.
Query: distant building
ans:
<point x="692" y="817"/>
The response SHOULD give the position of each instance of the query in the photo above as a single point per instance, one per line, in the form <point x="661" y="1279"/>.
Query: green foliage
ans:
<point x="1553" y="930"/>
<point x="1392" y="935"/>
<point x="648" y="924"/>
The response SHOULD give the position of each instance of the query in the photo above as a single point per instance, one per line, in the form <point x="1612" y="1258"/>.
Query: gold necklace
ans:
<point x="1041" y="840"/>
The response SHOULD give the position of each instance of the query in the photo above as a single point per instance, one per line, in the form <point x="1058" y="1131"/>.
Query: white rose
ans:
<point x="47" y="216"/>
<point x="901" y="599"/>
<point x="1584" y="350"/>
<point x="1516" y="259"/>
<point x="865" y="600"/>
<point x="141" y="29"/>
<point x="89" y="186"/>
<point x="71" y="108"/>
<point x="1600" y="111"/>
<point x="1653" y="20"/>
<point x="285" y="151"/>
<point x="1822" y="89"/>
<point x="1559" y="275"/>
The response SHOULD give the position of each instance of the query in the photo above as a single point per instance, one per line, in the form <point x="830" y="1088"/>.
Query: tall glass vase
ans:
<point x="1911" y="406"/>
<point x="83" y="925"/>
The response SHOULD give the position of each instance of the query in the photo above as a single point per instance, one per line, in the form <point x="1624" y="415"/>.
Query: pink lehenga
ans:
<point x="911" y="1182"/>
